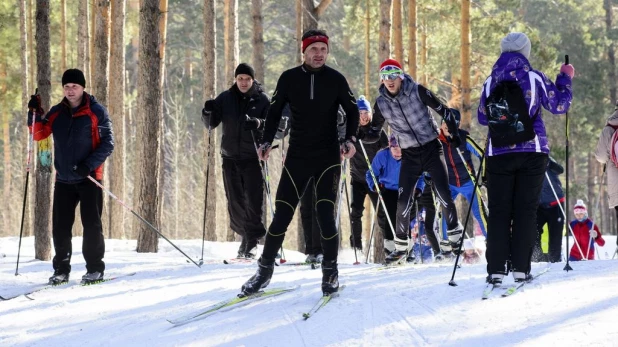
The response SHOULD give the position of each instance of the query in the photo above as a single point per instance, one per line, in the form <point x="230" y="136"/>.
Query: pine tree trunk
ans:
<point x="210" y="82"/>
<point x="384" y="48"/>
<point x="91" y="52"/>
<point x="412" y="38"/>
<point x="149" y="115"/>
<point x="42" y="225"/>
<point x="25" y="93"/>
<point x="231" y="48"/>
<point x="611" y="54"/>
<point x="367" y="47"/>
<point x="83" y="39"/>
<point x="162" y="44"/>
<point x="63" y="36"/>
<point x="258" y="40"/>
<point x="397" y="31"/>
<point x="33" y="65"/>
<point x="466" y="105"/>
<point x="424" y="51"/>
<point x="299" y="31"/>
<point x="115" y="163"/>
<point x="6" y="141"/>
<point x="101" y="52"/>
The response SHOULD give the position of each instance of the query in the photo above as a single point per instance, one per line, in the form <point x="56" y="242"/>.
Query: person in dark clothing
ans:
<point x="241" y="110"/>
<point x="549" y="213"/>
<point x="461" y="172"/>
<point x="515" y="168"/>
<point x="83" y="139"/>
<point x="358" y="169"/>
<point x="404" y="104"/>
<point x="314" y="92"/>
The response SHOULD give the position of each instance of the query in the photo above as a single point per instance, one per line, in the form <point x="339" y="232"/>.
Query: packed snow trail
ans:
<point x="408" y="306"/>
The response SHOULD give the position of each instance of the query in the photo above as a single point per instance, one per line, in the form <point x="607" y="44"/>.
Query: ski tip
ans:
<point x="452" y="283"/>
<point x="225" y="262"/>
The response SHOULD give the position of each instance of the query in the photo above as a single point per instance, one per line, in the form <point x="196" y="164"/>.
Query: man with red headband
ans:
<point x="314" y="92"/>
<point x="405" y="105"/>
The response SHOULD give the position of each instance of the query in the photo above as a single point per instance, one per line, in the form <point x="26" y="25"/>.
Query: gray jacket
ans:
<point x="407" y="115"/>
<point x="603" y="156"/>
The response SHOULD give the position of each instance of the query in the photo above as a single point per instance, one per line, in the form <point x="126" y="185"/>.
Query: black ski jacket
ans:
<point x="314" y="97"/>
<point x="358" y="164"/>
<point x="231" y="108"/>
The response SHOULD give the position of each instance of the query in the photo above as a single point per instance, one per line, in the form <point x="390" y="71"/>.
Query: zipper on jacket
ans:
<point x="311" y="90"/>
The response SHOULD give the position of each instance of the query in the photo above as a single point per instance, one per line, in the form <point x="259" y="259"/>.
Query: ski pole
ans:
<point x="350" y="217"/>
<point x="23" y="209"/>
<point x="140" y="217"/>
<point x="476" y="183"/>
<point x="596" y="208"/>
<point x="206" y="193"/>
<point x="377" y="185"/>
<point x="373" y="225"/>
<point x="567" y="267"/>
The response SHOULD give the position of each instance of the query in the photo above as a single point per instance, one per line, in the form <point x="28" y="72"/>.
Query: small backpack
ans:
<point x="507" y="112"/>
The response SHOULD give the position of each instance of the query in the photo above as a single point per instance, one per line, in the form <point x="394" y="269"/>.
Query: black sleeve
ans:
<point x="383" y="139"/>
<point x="278" y="102"/>
<point x="374" y="132"/>
<point x="106" y="140"/>
<point x="348" y="102"/>
<point x="284" y="123"/>
<point x="262" y="116"/>
<point x="215" y="118"/>
<point x="430" y="100"/>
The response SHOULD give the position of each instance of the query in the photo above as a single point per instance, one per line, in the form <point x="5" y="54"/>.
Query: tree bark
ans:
<point x="63" y="36"/>
<point x="299" y="31"/>
<point x="397" y="31"/>
<point x="367" y="47"/>
<point x="231" y="48"/>
<point x="424" y="51"/>
<point x="42" y="226"/>
<point x="148" y="126"/>
<point x="24" y="137"/>
<point x="83" y="39"/>
<point x="6" y="144"/>
<point x="466" y="105"/>
<point x="162" y="44"/>
<point x="611" y="57"/>
<point x="258" y="40"/>
<point x="412" y="38"/>
<point x="384" y="49"/>
<point x="101" y="52"/>
<point x="210" y="82"/>
<point x="91" y="52"/>
<point x="33" y="66"/>
<point x="115" y="163"/>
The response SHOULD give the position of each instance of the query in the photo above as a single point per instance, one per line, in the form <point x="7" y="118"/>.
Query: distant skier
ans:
<point x="314" y="92"/>
<point x="586" y="234"/>
<point x="511" y="102"/>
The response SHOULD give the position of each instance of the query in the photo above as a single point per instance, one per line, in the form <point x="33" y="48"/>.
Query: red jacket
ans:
<point x="581" y="230"/>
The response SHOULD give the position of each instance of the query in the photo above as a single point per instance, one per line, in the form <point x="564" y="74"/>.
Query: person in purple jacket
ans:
<point x="515" y="170"/>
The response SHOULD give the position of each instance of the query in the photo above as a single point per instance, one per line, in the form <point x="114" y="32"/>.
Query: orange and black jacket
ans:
<point x="82" y="135"/>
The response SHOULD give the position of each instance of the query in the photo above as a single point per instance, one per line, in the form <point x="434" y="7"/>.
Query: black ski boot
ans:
<point x="242" y="248"/>
<point x="59" y="277"/>
<point x="395" y="257"/>
<point x="330" y="277"/>
<point x="261" y="278"/>
<point x="92" y="277"/>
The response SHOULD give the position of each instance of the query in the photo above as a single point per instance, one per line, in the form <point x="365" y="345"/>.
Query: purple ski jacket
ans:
<point x="539" y="91"/>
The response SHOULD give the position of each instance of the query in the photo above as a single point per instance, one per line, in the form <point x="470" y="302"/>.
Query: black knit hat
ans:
<point x="245" y="69"/>
<point x="74" y="76"/>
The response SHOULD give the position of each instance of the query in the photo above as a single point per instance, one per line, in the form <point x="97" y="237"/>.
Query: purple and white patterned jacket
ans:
<point x="539" y="90"/>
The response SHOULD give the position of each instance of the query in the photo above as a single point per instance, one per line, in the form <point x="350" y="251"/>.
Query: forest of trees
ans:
<point x="153" y="63"/>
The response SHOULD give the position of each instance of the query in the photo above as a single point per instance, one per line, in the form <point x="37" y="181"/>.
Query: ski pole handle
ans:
<point x="566" y="59"/>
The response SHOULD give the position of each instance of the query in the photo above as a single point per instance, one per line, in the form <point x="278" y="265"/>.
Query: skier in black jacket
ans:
<point x="314" y="92"/>
<point x="242" y="110"/>
<point x="358" y="169"/>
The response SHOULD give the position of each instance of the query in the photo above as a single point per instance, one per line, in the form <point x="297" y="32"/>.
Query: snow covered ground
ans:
<point x="407" y="306"/>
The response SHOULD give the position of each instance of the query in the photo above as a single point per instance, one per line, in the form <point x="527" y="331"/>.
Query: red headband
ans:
<point x="313" y="39"/>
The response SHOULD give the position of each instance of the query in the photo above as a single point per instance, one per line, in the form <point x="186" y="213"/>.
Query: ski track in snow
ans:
<point x="407" y="306"/>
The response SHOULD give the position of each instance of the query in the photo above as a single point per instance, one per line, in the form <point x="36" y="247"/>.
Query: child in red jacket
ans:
<point x="586" y="233"/>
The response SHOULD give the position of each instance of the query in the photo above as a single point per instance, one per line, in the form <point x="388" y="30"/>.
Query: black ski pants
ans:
<point x="90" y="199"/>
<point x="244" y="189"/>
<point x="297" y="172"/>
<point x="554" y="219"/>
<point x="390" y="198"/>
<point x="360" y="190"/>
<point x="515" y="181"/>
<point x="309" y="221"/>
<point x="415" y="161"/>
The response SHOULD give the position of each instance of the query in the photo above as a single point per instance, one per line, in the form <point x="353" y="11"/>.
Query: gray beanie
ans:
<point x="516" y="42"/>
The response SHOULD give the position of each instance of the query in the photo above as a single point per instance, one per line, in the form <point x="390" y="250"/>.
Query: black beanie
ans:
<point x="74" y="76"/>
<point x="245" y="69"/>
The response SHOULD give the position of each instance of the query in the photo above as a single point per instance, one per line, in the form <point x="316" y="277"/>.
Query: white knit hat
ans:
<point x="580" y="207"/>
<point x="516" y="42"/>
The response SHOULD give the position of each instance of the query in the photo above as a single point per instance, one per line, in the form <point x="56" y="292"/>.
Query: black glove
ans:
<point x="417" y="193"/>
<point x="455" y="139"/>
<point x="209" y="106"/>
<point x="483" y="180"/>
<point x="451" y="117"/>
<point x="251" y="123"/>
<point x="81" y="170"/>
<point x="34" y="105"/>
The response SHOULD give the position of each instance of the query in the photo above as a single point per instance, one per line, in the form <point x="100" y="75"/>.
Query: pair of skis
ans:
<point x="489" y="289"/>
<point x="242" y="300"/>
<point x="65" y="284"/>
